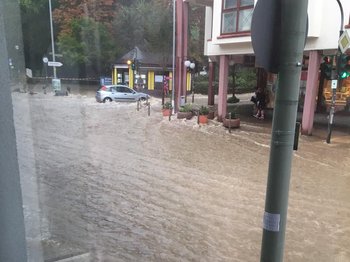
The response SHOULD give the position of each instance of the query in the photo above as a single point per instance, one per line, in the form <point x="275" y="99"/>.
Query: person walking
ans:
<point x="260" y="103"/>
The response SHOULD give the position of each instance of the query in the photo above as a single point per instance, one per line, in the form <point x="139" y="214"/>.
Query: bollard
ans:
<point x="138" y="105"/>
<point x="229" y="122"/>
<point x="170" y="114"/>
<point x="296" y="136"/>
<point x="198" y="117"/>
<point x="149" y="108"/>
<point x="192" y="97"/>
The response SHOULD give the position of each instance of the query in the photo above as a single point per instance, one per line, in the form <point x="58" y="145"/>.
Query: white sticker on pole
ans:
<point x="272" y="222"/>
<point x="334" y="84"/>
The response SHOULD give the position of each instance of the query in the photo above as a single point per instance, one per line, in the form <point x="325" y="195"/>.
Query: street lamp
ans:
<point x="45" y="61"/>
<point x="190" y="67"/>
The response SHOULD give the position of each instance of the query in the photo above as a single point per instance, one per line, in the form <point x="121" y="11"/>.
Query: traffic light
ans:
<point x="327" y="67"/>
<point x="133" y="66"/>
<point x="343" y="66"/>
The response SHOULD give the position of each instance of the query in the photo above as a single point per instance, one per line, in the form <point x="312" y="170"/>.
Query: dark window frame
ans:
<point x="237" y="10"/>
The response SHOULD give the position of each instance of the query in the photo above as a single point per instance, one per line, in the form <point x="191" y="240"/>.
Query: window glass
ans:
<point x="229" y="22"/>
<point x="246" y="3"/>
<point x="245" y="19"/>
<point x="230" y="4"/>
<point x="244" y="10"/>
<point x="127" y="90"/>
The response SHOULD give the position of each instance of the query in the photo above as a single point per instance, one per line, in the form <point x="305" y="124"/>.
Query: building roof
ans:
<point x="145" y="58"/>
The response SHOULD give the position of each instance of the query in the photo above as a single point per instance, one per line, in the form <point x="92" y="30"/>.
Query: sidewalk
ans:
<point x="245" y="110"/>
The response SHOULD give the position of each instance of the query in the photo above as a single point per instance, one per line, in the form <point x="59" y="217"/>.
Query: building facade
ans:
<point x="228" y="40"/>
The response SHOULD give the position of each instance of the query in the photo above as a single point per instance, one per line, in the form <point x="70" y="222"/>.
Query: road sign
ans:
<point x="57" y="64"/>
<point x="344" y="41"/>
<point x="56" y="84"/>
<point x="266" y="34"/>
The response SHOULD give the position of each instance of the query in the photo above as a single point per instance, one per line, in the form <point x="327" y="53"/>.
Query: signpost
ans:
<point x="55" y="64"/>
<point x="283" y="55"/>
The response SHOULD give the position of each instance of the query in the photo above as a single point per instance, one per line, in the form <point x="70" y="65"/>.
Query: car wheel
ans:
<point x="107" y="99"/>
<point x="143" y="99"/>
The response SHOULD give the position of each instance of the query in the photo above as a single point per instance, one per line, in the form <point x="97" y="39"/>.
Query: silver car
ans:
<point x="111" y="93"/>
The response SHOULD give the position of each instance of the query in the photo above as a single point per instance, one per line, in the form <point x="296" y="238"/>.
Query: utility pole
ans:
<point x="291" y="45"/>
<point x="334" y="90"/>
<point x="52" y="40"/>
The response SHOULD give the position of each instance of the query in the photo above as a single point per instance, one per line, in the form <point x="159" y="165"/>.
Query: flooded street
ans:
<point x="123" y="186"/>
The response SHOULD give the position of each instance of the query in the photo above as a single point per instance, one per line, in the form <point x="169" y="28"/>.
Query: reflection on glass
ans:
<point x="245" y="18"/>
<point x="246" y="3"/>
<point x="229" y="22"/>
<point x="230" y="4"/>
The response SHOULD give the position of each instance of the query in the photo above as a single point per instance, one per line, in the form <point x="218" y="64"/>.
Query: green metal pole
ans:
<point x="292" y="40"/>
<point x="339" y="84"/>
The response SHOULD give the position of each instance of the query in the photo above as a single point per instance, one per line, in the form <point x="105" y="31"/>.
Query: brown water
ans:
<point x="127" y="187"/>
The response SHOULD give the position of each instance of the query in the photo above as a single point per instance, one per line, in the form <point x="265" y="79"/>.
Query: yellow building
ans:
<point x="144" y="70"/>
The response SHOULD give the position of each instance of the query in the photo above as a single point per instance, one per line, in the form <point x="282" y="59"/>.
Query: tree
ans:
<point x="159" y="31"/>
<point x="99" y="10"/>
<point x="88" y="45"/>
<point x="130" y="22"/>
<point x="35" y="42"/>
<point x="196" y="35"/>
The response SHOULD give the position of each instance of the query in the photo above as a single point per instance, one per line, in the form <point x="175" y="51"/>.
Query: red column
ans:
<point x="223" y="82"/>
<point x="211" y="94"/>
<point x="181" y="49"/>
<point x="179" y="53"/>
<point x="311" y="92"/>
<point x="185" y="44"/>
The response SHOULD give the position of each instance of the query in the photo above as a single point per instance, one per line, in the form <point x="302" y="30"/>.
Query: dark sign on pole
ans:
<point x="266" y="34"/>
<point x="265" y="30"/>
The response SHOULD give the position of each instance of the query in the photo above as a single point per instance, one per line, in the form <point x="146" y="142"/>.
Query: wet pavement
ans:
<point x="111" y="181"/>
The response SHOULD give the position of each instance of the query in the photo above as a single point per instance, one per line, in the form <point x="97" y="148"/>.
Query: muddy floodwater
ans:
<point x="119" y="185"/>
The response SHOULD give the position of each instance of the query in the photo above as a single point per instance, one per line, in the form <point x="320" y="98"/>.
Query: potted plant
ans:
<point x="231" y="120"/>
<point x="167" y="107"/>
<point x="185" y="111"/>
<point x="203" y="115"/>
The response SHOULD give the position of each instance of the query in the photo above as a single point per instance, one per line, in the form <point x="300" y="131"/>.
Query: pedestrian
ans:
<point x="260" y="102"/>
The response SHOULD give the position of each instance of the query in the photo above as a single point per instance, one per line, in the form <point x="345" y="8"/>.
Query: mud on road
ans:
<point x="123" y="186"/>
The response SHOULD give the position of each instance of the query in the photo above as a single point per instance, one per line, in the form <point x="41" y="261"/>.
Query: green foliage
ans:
<point x="245" y="83"/>
<point x="34" y="6"/>
<point x="167" y="105"/>
<point x="186" y="108"/>
<point x="201" y="85"/>
<point x="91" y="37"/>
<point x="232" y="111"/>
<point x="232" y="100"/>
<point x="196" y="35"/>
<point x="245" y="79"/>
<point x="203" y="110"/>
<point x="36" y="42"/>
<point x="147" y="25"/>
<point x="88" y="43"/>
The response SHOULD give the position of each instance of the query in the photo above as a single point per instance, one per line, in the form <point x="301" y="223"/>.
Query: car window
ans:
<point x="128" y="90"/>
<point x="123" y="89"/>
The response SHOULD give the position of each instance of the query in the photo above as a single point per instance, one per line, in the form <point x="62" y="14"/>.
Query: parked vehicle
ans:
<point x="109" y="93"/>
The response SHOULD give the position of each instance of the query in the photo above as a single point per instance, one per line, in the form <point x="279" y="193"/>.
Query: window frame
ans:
<point x="236" y="10"/>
